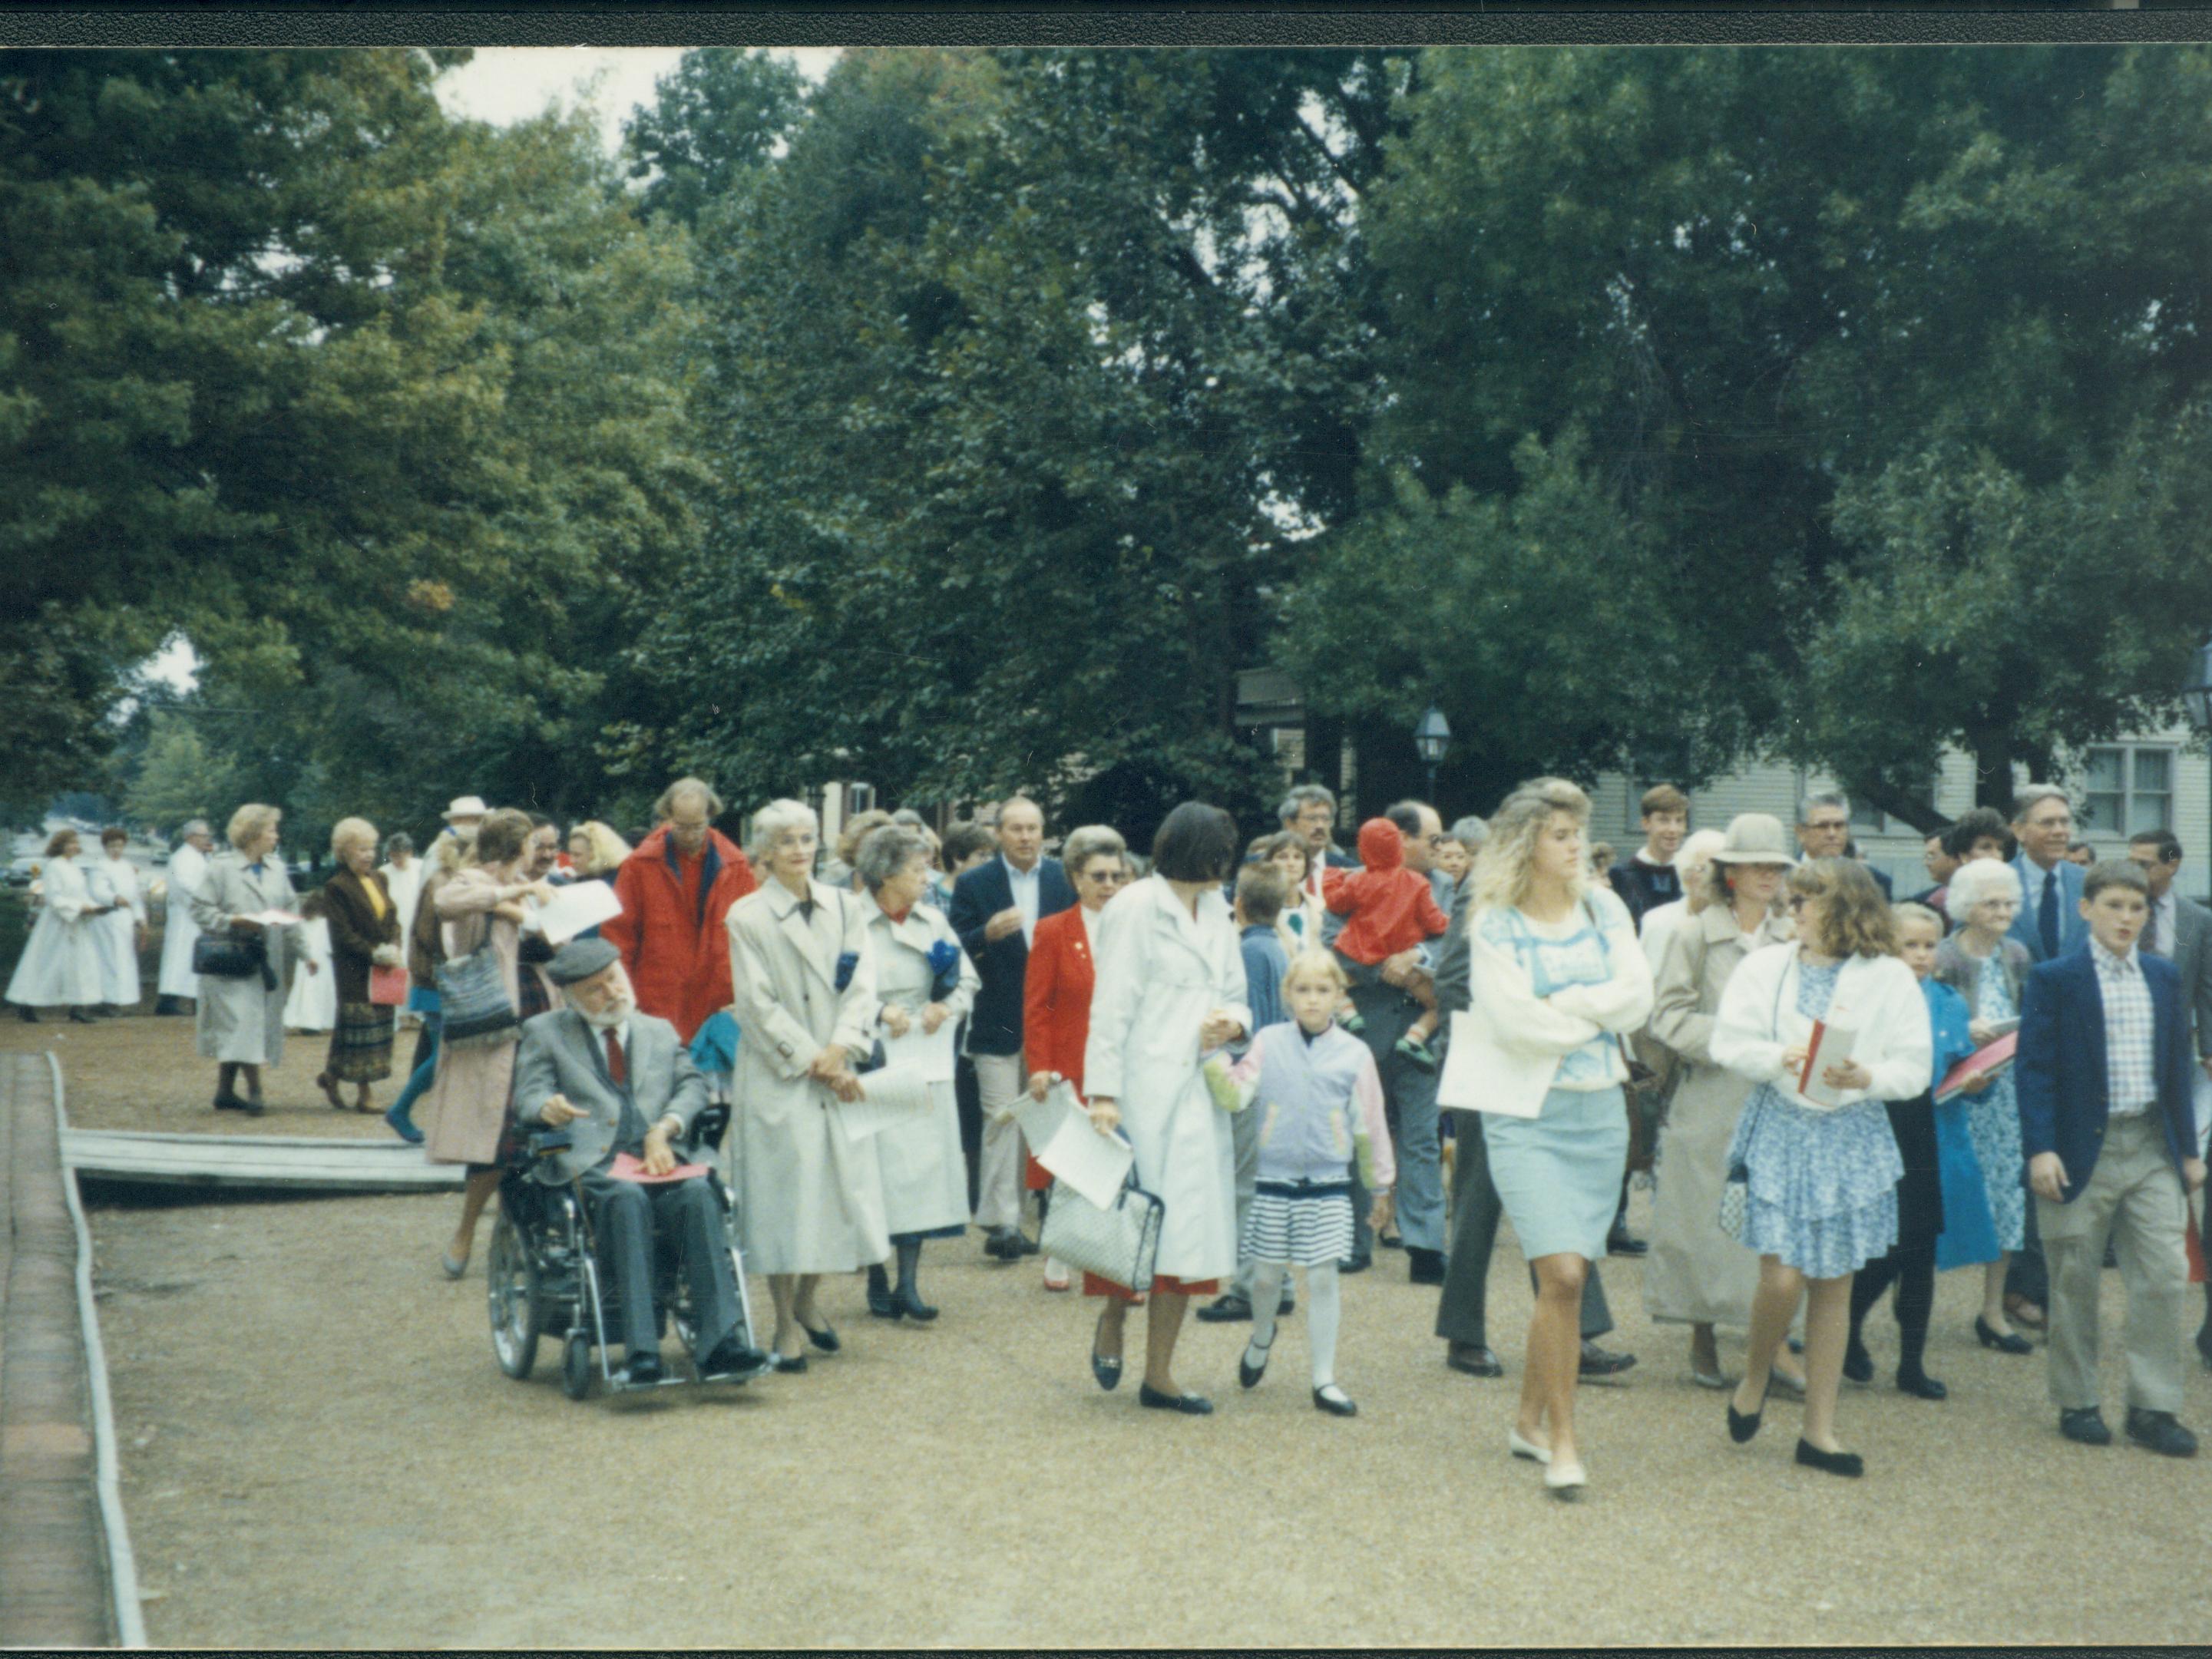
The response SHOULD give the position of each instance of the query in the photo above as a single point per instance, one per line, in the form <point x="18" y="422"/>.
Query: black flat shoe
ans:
<point x="1355" y="1264"/>
<point x="1333" y="1401"/>
<point x="1622" y="1243"/>
<point x="2086" y="1425"/>
<point x="1858" y="1363"/>
<point x="642" y="1370"/>
<point x="1106" y="1370"/>
<point x="1225" y="1308"/>
<point x="1191" y="1405"/>
<point x="881" y="1303"/>
<point x="78" y="1017"/>
<point x="1848" y="1464"/>
<point x="1248" y="1374"/>
<point x="28" y="1016"/>
<point x="1741" y="1427"/>
<point x="777" y="1362"/>
<point x="2157" y="1431"/>
<point x="907" y="1300"/>
<point x="731" y="1358"/>
<point x="1921" y="1386"/>
<point x="825" y="1339"/>
<point x="2010" y="1342"/>
<point x="228" y="1103"/>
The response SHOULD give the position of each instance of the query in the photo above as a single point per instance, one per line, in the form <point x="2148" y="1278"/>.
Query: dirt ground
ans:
<point x="318" y="1450"/>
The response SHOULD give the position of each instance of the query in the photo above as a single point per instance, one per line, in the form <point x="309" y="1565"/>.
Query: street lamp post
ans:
<point x="1431" y="738"/>
<point x="2196" y="689"/>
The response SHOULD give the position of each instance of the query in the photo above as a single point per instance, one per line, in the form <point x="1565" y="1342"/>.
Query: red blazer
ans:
<point x="1056" y="998"/>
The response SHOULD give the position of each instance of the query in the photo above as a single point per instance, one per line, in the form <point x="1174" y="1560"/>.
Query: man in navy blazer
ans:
<point x="995" y="910"/>
<point x="2109" y="1132"/>
<point x="2042" y="824"/>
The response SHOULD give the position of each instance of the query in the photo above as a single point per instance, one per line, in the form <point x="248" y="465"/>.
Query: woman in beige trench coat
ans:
<point x="811" y="1197"/>
<point x="465" y="1112"/>
<point x="1696" y="1275"/>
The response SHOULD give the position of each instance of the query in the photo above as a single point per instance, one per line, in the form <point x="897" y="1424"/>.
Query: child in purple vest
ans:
<point x="1321" y="1105"/>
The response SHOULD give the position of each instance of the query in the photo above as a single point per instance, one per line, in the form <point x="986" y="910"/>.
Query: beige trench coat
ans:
<point x="238" y="1023"/>
<point x="810" y="1199"/>
<point x="925" y="1175"/>
<point x="1695" y="1272"/>
<point x="464" y="1108"/>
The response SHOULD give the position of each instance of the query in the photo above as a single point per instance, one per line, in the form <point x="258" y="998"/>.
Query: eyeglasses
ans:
<point x="1797" y="901"/>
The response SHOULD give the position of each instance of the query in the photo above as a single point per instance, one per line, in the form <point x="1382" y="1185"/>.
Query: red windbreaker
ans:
<point x="1392" y="909"/>
<point x="671" y="934"/>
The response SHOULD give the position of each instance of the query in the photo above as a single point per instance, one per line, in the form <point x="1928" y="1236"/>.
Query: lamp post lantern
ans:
<point x="1431" y="738"/>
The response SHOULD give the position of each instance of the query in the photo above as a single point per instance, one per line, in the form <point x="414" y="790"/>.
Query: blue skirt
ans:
<point x="1823" y="1194"/>
<point x="1557" y="1175"/>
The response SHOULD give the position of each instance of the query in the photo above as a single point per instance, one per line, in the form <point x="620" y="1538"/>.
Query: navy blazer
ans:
<point x="2073" y="927"/>
<point x="2060" y="1067"/>
<point x="995" y="1025"/>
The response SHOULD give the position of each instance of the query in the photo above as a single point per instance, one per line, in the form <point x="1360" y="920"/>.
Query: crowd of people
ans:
<point x="1838" y="1096"/>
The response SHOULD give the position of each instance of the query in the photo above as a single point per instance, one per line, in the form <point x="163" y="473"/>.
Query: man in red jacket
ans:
<point x="676" y="890"/>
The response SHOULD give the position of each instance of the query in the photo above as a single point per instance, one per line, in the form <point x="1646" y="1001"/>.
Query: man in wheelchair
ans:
<point x="624" y="1089"/>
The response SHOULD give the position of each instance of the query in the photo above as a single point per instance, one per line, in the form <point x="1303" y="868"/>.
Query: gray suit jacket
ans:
<point x="562" y="1054"/>
<point x="2193" y="955"/>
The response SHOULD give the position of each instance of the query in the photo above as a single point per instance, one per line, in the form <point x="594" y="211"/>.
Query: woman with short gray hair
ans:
<point x="242" y="1019"/>
<point x="925" y="983"/>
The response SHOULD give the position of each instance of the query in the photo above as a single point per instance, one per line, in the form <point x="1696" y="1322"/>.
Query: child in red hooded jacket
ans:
<point x="1390" y="909"/>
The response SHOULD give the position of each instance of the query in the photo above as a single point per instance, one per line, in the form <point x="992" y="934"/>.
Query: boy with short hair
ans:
<point x="1647" y="877"/>
<point x="2107" y="1129"/>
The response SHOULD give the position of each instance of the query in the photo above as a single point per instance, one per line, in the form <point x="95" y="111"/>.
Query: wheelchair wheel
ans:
<point x="516" y="1298"/>
<point x="576" y="1365"/>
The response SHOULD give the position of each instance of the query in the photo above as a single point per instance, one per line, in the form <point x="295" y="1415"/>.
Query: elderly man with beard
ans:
<point x="625" y="1088"/>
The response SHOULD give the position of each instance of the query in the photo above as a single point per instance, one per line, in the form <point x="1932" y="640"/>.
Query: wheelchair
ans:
<point x="546" y="1277"/>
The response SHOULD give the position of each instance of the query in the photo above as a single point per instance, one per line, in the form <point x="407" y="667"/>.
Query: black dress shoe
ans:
<point x="1921" y="1386"/>
<point x="910" y="1304"/>
<point x="251" y="1105"/>
<point x="1473" y="1358"/>
<point x="228" y="1103"/>
<point x="1424" y="1266"/>
<point x="1191" y="1405"/>
<point x="2157" y="1431"/>
<point x="1106" y="1370"/>
<point x="1248" y="1374"/>
<point x="1334" y="1400"/>
<point x="1225" y="1309"/>
<point x="2086" y="1425"/>
<point x="1023" y="1245"/>
<point x="2009" y="1342"/>
<point x="1744" y="1425"/>
<point x="2205" y="1347"/>
<point x="792" y="1362"/>
<point x="1598" y="1364"/>
<point x="732" y="1357"/>
<point x="29" y="1015"/>
<point x="881" y="1303"/>
<point x="1355" y="1264"/>
<point x="1390" y="1241"/>
<point x="1002" y="1244"/>
<point x="643" y="1369"/>
<point x="1850" y="1464"/>
<point x="1858" y="1363"/>
<point x="78" y="1017"/>
<point x="825" y="1339"/>
<point x="1618" y="1242"/>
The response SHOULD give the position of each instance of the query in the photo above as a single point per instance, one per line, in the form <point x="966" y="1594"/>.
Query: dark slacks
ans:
<point x="634" y="1219"/>
<point x="1461" y="1310"/>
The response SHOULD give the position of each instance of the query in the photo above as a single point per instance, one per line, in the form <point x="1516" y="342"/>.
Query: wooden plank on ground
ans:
<point x="293" y="1162"/>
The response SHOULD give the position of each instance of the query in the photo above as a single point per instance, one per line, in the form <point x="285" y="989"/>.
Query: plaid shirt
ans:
<point x="2131" y="1061"/>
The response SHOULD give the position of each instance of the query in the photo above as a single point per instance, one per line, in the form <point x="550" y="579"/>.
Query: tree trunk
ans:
<point x="1993" y="758"/>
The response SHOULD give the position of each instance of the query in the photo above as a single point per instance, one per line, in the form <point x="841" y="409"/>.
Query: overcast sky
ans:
<point x="504" y="84"/>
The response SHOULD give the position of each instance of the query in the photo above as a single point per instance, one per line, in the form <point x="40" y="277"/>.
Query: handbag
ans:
<point x="1120" y="1242"/>
<point x="388" y="987"/>
<point x="225" y="956"/>
<point x="473" y="1001"/>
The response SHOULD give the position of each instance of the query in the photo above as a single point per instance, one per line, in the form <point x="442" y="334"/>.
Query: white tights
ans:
<point x="1324" y="1311"/>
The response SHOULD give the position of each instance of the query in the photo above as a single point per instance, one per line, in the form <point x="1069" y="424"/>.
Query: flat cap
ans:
<point x="580" y="958"/>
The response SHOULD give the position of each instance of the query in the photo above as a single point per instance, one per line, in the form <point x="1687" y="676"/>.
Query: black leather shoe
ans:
<point x="1618" y="1242"/>
<point x="1355" y="1264"/>
<point x="1473" y="1359"/>
<point x="1248" y="1374"/>
<point x="1191" y="1405"/>
<point x="78" y="1017"/>
<point x="229" y="1103"/>
<point x="1599" y="1364"/>
<point x="1225" y="1309"/>
<point x="794" y="1363"/>
<point x="1390" y="1241"/>
<point x="732" y="1357"/>
<point x="643" y="1369"/>
<point x="29" y="1015"/>
<point x="1850" y="1464"/>
<point x="1106" y="1370"/>
<point x="251" y="1105"/>
<point x="825" y="1339"/>
<point x="2010" y="1342"/>
<point x="1744" y="1425"/>
<point x="1023" y="1245"/>
<point x="2205" y="1347"/>
<point x="1858" y="1363"/>
<point x="881" y="1303"/>
<point x="1334" y="1400"/>
<point x="1002" y="1244"/>
<point x="2157" y="1431"/>
<point x="2086" y="1425"/>
<point x="1921" y="1386"/>
<point x="910" y="1304"/>
<point x="1287" y="1306"/>
<point x="1424" y="1266"/>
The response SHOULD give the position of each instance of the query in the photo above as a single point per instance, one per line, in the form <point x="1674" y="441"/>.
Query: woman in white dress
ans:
<point x="120" y="933"/>
<point x="242" y="1021"/>
<point x="810" y="1198"/>
<point x="60" y="964"/>
<point x="1170" y="994"/>
<point x="926" y="982"/>
<point x="187" y="870"/>
<point x="313" y="1007"/>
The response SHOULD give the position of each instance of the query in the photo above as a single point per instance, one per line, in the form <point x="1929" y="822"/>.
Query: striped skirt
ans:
<point x="361" y="1044"/>
<point x="1306" y="1224"/>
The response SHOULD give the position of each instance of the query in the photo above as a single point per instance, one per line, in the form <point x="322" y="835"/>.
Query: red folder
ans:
<point x="626" y="1167"/>
<point x="1987" y="1062"/>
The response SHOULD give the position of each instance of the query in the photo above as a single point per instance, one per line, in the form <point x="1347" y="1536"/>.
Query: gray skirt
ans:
<point x="1558" y="1174"/>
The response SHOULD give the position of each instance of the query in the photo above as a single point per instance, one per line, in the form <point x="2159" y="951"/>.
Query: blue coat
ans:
<point x="995" y="1026"/>
<point x="2072" y="927"/>
<point x="2060" y="1069"/>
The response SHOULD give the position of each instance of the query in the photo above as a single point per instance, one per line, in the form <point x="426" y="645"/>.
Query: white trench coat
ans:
<point x="925" y="1175"/>
<point x="238" y="1023"/>
<point x="810" y="1199"/>
<point x="1160" y="974"/>
<point x="187" y="871"/>
<point x="60" y="964"/>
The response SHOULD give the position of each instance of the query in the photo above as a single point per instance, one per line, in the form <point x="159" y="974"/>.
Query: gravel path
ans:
<point x="318" y="1450"/>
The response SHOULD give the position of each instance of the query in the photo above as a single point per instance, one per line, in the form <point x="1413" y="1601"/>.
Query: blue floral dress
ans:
<point x="1823" y="1184"/>
<point x="1993" y="1116"/>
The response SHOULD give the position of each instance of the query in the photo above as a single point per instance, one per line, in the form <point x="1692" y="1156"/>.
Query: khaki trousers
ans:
<point x="999" y="1080"/>
<point x="2135" y="1197"/>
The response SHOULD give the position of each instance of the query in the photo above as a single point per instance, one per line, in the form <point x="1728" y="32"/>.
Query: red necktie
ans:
<point x="615" y="1068"/>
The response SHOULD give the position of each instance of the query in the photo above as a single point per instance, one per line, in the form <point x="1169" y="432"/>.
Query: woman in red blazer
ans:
<point x="1056" y="990"/>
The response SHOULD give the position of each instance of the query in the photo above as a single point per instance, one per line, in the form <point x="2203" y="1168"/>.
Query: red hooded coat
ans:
<point x="1392" y="909"/>
<point x="672" y="931"/>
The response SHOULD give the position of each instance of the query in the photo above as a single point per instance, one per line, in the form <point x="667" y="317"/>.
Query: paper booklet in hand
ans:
<point x="1061" y="1138"/>
<point x="1985" y="1061"/>
<point x="1830" y="1044"/>
<point x="579" y="905"/>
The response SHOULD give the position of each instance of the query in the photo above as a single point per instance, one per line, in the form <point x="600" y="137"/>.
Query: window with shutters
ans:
<point x="2129" y="788"/>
